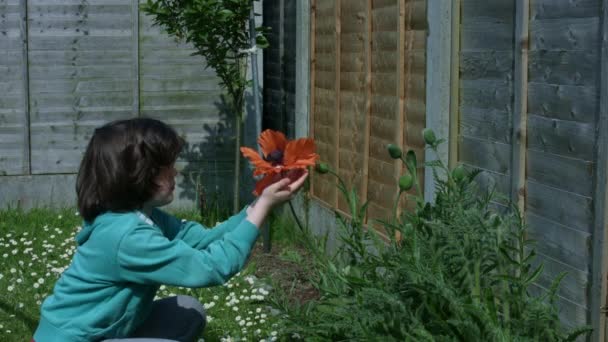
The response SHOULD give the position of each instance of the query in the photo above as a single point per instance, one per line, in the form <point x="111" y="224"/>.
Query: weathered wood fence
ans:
<point x="529" y="113"/>
<point x="367" y="90"/>
<point x="528" y="99"/>
<point x="68" y="66"/>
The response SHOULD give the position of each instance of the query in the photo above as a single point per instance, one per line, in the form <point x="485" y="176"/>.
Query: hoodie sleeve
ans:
<point x="192" y="233"/>
<point x="146" y="256"/>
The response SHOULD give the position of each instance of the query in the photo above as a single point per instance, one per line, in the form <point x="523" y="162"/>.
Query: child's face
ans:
<point x="166" y="184"/>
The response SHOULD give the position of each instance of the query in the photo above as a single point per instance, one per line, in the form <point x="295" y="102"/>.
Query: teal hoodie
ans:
<point x="120" y="261"/>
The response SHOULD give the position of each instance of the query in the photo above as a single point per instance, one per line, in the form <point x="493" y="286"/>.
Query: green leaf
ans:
<point x="529" y="257"/>
<point x="261" y="42"/>
<point x="507" y="255"/>
<point x="226" y="13"/>
<point x="353" y="202"/>
<point x="575" y="334"/>
<point x="555" y="285"/>
<point x="535" y="275"/>
<point x="363" y="211"/>
<point x="433" y="163"/>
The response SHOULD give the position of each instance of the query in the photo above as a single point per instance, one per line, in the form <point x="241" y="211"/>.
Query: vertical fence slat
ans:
<point x="313" y="58"/>
<point x="368" y="102"/>
<point x="27" y="155"/>
<point x="454" y="86"/>
<point x="303" y="72"/>
<point x="438" y="73"/>
<point x="599" y="290"/>
<point x="283" y="106"/>
<point x="520" y="104"/>
<point x="403" y="80"/>
<point x="136" y="83"/>
<point x="337" y="5"/>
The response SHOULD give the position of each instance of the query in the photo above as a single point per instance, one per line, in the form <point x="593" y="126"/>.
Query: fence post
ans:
<point x="599" y="291"/>
<point x="438" y="73"/>
<point x="520" y="105"/>
<point x="27" y="154"/>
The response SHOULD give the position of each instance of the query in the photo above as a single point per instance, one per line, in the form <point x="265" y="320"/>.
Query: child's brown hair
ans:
<point x="120" y="164"/>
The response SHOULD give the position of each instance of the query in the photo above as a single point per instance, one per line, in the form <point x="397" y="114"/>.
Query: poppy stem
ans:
<point x="293" y="212"/>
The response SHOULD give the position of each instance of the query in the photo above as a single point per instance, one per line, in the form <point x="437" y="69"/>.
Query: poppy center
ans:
<point x="275" y="157"/>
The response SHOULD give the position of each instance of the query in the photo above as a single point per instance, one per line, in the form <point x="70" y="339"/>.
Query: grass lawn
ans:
<point x="36" y="246"/>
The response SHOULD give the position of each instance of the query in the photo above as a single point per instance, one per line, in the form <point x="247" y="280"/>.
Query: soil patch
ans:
<point x="292" y="276"/>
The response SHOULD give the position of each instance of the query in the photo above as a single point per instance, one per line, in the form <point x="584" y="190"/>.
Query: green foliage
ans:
<point x="461" y="271"/>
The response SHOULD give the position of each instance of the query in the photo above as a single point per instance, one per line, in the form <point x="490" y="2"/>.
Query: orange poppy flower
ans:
<point x="281" y="158"/>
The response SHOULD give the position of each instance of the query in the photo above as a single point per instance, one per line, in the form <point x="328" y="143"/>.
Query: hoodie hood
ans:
<point x="84" y="234"/>
<point x="88" y="227"/>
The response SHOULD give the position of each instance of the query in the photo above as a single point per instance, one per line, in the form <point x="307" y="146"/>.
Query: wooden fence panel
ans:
<point x="412" y="62"/>
<point x="353" y="93"/>
<point x="563" y="106"/>
<point x="385" y="119"/>
<point x="177" y="88"/>
<point x="88" y="63"/>
<point x="324" y="94"/>
<point x="556" y="71"/>
<point x="376" y="71"/>
<point x="81" y="74"/>
<point x="486" y="89"/>
<point x="14" y="130"/>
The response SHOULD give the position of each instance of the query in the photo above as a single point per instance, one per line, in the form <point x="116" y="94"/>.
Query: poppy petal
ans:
<point x="268" y="170"/>
<point x="300" y="152"/>
<point x="270" y="140"/>
<point x="264" y="183"/>
<point x="302" y="164"/>
<point x="255" y="159"/>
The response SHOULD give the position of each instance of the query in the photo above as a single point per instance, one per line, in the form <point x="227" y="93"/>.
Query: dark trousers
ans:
<point x="180" y="318"/>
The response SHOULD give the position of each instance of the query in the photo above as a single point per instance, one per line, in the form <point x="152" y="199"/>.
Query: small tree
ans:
<point x="218" y="31"/>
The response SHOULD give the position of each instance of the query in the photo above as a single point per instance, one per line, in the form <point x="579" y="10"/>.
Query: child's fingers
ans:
<point x="298" y="183"/>
<point x="276" y="186"/>
<point x="285" y="189"/>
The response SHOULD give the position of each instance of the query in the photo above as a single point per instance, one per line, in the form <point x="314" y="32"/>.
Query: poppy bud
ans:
<point x="429" y="136"/>
<point x="495" y="220"/>
<point x="406" y="182"/>
<point x="459" y="173"/>
<point x="394" y="151"/>
<point x="322" y="168"/>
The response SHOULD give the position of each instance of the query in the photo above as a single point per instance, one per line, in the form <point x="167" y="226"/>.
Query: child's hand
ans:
<point x="275" y="194"/>
<point x="283" y="190"/>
